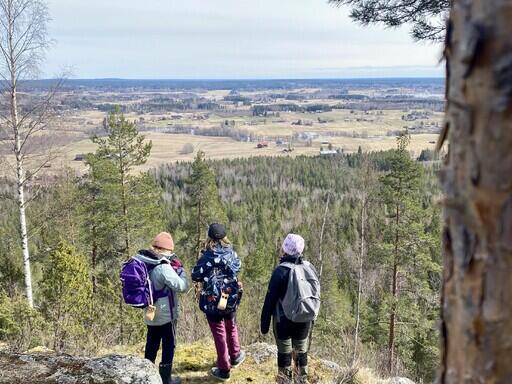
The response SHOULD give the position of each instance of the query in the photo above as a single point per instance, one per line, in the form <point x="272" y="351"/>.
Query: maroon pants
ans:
<point x="225" y="336"/>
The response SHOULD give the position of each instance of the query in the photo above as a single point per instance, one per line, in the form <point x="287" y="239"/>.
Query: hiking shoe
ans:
<point x="239" y="360"/>
<point x="219" y="374"/>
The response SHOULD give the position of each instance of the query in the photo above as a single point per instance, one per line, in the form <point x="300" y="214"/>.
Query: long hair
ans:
<point x="224" y="243"/>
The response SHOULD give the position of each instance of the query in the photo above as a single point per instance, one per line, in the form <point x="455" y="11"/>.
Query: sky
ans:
<point x="227" y="39"/>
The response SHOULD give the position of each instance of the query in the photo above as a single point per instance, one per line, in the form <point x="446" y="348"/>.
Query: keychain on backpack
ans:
<point x="223" y="302"/>
<point x="150" y="312"/>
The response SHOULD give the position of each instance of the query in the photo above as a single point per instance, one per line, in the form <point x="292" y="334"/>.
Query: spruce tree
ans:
<point x="203" y="199"/>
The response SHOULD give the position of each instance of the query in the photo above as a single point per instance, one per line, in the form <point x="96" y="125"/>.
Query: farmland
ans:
<point x="227" y="119"/>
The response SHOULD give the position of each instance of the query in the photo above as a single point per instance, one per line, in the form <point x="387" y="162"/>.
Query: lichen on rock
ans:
<point x="46" y="368"/>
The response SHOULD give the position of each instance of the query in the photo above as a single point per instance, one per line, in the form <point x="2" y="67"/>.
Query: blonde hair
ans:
<point x="211" y="243"/>
<point x="161" y="251"/>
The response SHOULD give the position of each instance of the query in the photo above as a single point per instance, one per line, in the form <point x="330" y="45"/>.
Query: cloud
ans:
<point x="223" y="39"/>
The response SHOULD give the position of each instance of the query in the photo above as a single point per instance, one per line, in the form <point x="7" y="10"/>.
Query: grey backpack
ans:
<point x="301" y="303"/>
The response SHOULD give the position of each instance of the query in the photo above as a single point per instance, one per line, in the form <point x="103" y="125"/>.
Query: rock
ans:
<point x="63" y="369"/>
<point x="330" y="365"/>
<point x="399" y="380"/>
<point x="261" y="352"/>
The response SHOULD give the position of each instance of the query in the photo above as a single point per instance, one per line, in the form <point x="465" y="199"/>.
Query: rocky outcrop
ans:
<point x="192" y="362"/>
<point x="46" y="368"/>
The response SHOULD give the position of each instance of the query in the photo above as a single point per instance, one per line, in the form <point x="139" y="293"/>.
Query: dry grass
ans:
<point x="168" y="148"/>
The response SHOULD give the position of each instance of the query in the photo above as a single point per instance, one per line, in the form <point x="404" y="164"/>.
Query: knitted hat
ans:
<point x="293" y="245"/>
<point x="163" y="241"/>
<point x="216" y="231"/>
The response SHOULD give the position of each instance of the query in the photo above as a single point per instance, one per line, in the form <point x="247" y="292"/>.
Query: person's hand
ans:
<point x="240" y="286"/>
<point x="176" y="264"/>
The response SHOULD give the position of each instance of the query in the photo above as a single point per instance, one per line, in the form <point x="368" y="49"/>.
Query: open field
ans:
<point x="167" y="148"/>
<point x="227" y="120"/>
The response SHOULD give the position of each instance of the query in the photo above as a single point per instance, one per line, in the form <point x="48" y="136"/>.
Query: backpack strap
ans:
<point x="287" y="264"/>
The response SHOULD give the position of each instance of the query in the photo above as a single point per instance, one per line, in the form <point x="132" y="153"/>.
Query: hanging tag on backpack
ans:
<point x="223" y="302"/>
<point x="150" y="312"/>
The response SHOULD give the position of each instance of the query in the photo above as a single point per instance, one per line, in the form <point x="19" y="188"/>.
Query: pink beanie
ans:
<point x="293" y="245"/>
<point x="163" y="241"/>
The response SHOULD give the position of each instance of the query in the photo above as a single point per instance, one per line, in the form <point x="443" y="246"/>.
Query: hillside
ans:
<point x="192" y="362"/>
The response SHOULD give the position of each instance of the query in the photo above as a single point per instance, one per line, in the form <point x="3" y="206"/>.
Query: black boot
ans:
<point x="285" y="375"/>
<point x="165" y="374"/>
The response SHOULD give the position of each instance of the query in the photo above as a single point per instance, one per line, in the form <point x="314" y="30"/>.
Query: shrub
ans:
<point x="21" y="327"/>
<point x="187" y="149"/>
<point x="67" y="289"/>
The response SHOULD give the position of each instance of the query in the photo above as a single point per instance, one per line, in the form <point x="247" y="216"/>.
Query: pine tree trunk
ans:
<point x="198" y="227"/>
<point x="394" y="297"/>
<point x="124" y="198"/>
<point x="477" y="181"/>
<point x="360" y="279"/>
<point x="94" y="258"/>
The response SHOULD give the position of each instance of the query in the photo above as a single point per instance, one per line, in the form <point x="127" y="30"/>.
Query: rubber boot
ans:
<point x="165" y="374"/>
<point x="302" y="375"/>
<point x="285" y="375"/>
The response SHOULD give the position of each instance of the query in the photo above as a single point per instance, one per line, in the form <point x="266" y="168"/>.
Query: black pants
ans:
<point x="160" y="334"/>
<point x="291" y="337"/>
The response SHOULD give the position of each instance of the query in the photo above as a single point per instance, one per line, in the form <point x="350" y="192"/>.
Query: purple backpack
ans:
<point x="138" y="290"/>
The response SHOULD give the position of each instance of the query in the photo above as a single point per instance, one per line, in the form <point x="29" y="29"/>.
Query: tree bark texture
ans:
<point x="477" y="181"/>
<point x="394" y="296"/>
<point x="360" y="278"/>
<point x="20" y="172"/>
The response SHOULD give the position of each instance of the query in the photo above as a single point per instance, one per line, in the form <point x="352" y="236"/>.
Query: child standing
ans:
<point x="220" y="296"/>
<point x="167" y="277"/>
<point x="291" y="328"/>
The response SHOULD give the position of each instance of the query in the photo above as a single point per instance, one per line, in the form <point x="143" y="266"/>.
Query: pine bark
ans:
<point x="394" y="297"/>
<point x="477" y="180"/>
<point x="360" y="278"/>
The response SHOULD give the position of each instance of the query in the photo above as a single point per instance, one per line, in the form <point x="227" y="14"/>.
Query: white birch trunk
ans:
<point x="20" y="174"/>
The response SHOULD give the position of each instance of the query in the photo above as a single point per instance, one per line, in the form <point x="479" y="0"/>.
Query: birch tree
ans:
<point x="477" y="181"/>
<point x="23" y="43"/>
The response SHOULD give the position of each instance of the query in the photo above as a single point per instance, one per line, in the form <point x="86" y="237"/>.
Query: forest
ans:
<point x="371" y="222"/>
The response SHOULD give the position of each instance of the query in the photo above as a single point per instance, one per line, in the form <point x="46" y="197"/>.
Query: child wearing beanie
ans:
<point x="167" y="279"/>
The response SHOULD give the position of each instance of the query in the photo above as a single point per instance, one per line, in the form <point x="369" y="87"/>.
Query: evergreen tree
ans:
<point x="67" y="291"/>
<point x="118" y="153"/>
<point x="122" y="210"/>
<point x="203" y="199"/>
<point x="427" y="17"/>
<point x="406" y="251"/>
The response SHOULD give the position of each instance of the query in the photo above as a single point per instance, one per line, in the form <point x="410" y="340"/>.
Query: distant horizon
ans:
<point x="246" y="78"/>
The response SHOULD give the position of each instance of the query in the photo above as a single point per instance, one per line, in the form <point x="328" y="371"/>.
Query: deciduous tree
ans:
<point x="23" y="43"/>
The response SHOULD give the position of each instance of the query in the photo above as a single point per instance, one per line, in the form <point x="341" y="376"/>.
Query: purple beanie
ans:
<point x="293" y="245"/>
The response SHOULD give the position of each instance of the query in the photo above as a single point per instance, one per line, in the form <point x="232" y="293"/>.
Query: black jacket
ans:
<point x="276" y="291"/>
